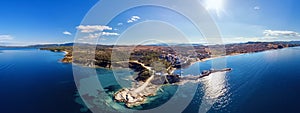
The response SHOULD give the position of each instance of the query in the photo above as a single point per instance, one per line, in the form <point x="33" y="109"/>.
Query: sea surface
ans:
<point x="34" y="81"/>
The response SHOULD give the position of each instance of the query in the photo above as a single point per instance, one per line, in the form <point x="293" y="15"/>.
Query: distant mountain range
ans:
<point x="50" y="45"/>
<point x="173" y="44"/>
<point x="157" y="44"/>
<point x="39" y="45"/>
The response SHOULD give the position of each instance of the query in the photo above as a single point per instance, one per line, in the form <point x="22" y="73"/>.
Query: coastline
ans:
<point x="237" y="54"/>
<point x="133" y="97"/>
<point x="202" y="60"/>
<point x="234" y="54"/>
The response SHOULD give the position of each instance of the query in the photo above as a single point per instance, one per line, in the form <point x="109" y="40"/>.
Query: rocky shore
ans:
<point x="68" y="58"/>
<point x="138" y="94"/>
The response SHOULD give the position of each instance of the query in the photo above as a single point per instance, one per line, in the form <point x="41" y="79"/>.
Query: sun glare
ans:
<point x="214" y="5"/>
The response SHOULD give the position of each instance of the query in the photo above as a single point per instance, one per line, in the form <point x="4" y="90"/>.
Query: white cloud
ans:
<point x="278" y="33"/>
<point x="269" y="36"/>
<point x="110" y="34"/>
<point x="256" y="8"/>
<point x="130" y="21"/>
<point x="119" y="24"/>
<point x="92" y="28"/>
<point x="97" y="35"/>
<point x="92" y="36"/>
<point x="80" y="39"/>
<point x="6" y="37"/>
<point x="67" y="33"/>
<point x="133" y="19"/>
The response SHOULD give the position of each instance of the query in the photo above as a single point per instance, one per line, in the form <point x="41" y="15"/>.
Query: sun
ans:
<point x="214" y="5"/>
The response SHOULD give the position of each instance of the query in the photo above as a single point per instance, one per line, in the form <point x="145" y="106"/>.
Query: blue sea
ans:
<point x="34" y="81"/>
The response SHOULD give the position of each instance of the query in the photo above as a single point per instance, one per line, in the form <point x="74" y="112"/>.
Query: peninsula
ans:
<point x="155" y="64"/>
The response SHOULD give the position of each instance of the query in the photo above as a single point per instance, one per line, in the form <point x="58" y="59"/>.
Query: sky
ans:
<point x="41" y="21"/>
<point x="27" y="22"/>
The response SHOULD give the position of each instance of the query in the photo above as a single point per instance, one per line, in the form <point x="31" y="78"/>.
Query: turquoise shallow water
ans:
<point x="268" y="82"/>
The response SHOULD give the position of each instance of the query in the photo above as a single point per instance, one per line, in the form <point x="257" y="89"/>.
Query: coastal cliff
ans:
<point x="68" y="58"/>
